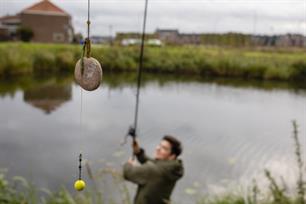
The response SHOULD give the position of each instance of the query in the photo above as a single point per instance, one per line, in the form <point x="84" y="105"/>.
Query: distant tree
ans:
<point x="25" y="34"/>
<point x="77" y="38"/>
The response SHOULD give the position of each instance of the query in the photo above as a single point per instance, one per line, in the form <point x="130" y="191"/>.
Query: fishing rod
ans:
<point x="132" y="132"/>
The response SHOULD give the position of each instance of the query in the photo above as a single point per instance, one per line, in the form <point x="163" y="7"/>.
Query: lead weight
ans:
<point x="92" y="73"/>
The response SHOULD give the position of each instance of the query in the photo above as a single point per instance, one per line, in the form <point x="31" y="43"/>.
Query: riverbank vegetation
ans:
<point x="244" y="63"/>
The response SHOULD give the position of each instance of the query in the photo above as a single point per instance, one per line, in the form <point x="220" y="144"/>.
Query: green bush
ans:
<point x="299" y="70"/>
<point x="44" y="62"/>
<point x="25" y="34"/>
<point x="65" y="61"/>
<point x="14" y="61"/>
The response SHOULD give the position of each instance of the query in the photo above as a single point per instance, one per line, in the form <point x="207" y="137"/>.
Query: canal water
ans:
<point x="231" y="129"/>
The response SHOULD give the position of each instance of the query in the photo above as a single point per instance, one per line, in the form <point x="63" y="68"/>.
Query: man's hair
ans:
<point x="176" y="146"/>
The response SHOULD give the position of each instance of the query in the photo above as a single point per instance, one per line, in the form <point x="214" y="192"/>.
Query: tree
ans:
<point x="25" y="34"/>
<point x="77" y="38"/>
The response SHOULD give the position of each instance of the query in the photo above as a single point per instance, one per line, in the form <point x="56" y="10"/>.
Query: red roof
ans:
<point x="45" y="6"/>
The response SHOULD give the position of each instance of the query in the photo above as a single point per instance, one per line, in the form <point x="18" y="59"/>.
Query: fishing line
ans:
<point x="133" y="129"/>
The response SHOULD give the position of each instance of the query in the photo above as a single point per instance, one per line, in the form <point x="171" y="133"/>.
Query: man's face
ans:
<point x="163" y="151"/>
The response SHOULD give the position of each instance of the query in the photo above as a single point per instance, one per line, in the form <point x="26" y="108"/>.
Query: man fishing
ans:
<point x="156" y="177"/>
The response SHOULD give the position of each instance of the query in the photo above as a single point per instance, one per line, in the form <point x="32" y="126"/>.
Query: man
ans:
<point x="156" y="177"/>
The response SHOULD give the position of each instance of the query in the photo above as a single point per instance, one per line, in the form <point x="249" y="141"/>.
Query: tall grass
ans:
<point x="20" y="191"/>
<point x="301" y="184"/>
<point x="23" y="58"/>
<point x="278" y="192"/>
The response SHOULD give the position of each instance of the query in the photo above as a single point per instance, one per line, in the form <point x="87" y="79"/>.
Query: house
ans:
<point x="287" y="40"/>
<point x="168" y="35"/>
<point x="173" y="36"/>
<point x="101" y="39"/>
<point x="192" y="38"/>
<point x="48" y="22"/>
<point x="290" y="40"/>
<point x="8" y="27"/>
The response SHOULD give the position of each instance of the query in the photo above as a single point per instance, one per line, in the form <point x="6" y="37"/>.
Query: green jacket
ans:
<point x="155" y="178"/>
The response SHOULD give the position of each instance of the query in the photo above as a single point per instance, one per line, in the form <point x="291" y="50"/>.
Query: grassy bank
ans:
<point x="272" y="64"/>
<point x="19" y="190"/>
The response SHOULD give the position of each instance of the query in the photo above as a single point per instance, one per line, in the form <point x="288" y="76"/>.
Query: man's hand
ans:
<point x="131" y="161"/>
<point x="135" y="146"/>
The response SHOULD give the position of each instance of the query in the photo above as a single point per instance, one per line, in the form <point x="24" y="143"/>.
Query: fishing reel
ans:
<point x="131" y="133"/>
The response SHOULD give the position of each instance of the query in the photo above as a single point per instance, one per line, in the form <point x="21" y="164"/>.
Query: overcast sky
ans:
<point x="189" y="16"/>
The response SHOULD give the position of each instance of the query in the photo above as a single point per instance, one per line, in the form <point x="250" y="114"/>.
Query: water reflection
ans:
<point x="9" y="86"/>
<point x="48" y="96"/>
